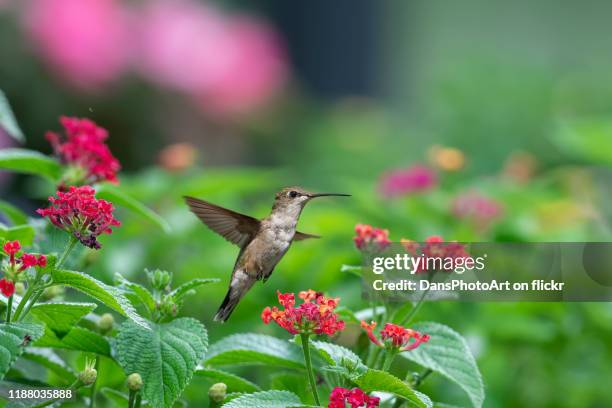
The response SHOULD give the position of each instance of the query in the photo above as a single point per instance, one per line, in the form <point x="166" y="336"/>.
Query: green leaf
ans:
<point x="119" y="198"/>
<point x="141" y="293"/>
<point x="8" y="121"/>
<point x="251" y="348"/>
<point x="109" y="295"/>
<point x="61" y="317"/>
<point x="234" y="383"/>
<point x="79" y="339"/>
<point x="376" y="380"/>
<point x="12" y="338"/>
<point x="30" y="162"/>
<point x="185" y="288"/>
<point x="447" y="353"/>
<point x="48" y="359"/>
<point x="340" y="356"/>
<point x="265" y="399"/>
<point x="12" y="213"/>
<point x="22" y="233"/>
<point x="165" y="357"/>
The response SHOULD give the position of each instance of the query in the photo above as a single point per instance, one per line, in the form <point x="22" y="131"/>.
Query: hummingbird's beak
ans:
<point x="328" y="194"/>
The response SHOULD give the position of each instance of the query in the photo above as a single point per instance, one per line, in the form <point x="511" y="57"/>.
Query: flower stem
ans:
<point x="35" y="298"/>
<point x="24" y="299"/>
<point x="389" y="357"/>
<point x="73" y="241"/>
<point x="311" y="377"/>
<point x="422" y="377"/>
<point x="9" y="309"/>
<point x="418" y="305"/>
<point x="92" y="395"/>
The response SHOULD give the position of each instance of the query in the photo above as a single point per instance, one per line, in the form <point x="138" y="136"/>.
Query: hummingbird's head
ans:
<point x="296" y="197"/>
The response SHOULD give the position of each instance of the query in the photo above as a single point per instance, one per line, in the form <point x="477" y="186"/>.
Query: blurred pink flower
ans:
<point x="257" y="69"/>
<point x="227" y="64"/>
<point x="85" y="41"/>
<point x="414" y="179"/>
<point x="477" y="208"/>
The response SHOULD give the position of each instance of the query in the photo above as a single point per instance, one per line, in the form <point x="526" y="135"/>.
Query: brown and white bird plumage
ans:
<point x="262" y="242"/>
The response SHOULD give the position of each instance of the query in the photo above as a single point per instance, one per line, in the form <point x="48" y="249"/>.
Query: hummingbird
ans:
<point x="262" y="243"/>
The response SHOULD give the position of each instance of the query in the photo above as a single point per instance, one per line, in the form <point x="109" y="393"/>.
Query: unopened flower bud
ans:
<point x="19" y="288"/>
<point x="160" y="279"/>
<point x="106" y="322"/>
<point x="134" y="382"/>
<point x="217" y="392"/>
<point x="88" y="375"/>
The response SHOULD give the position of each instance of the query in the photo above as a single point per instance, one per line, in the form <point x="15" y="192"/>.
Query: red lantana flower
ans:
<point x="7" y="287"/>
<point x="395" y="336"/>
<point x="315" y="315"/>
<point x="17" y="265"/>
<point x="355" y="398"/>
<point x="78" y="212"/>
<point x="369" y="237"/>
<point x="84" y="147"/>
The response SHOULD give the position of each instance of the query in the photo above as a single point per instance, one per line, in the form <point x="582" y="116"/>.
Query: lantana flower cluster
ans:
<point x="84" y="149"/>
<point x="355" y="398"/>
<point x="369" y="237"/>
<point x="315" y="315"/>
<point x="434" y="247"/>
<point x="79" y="213"/>
<point x="395" y="337"/>
<point x="16" y="265"/>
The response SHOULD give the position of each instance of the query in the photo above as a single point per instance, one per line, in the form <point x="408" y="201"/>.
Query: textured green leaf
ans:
<point x="119" y="198"/>
<point x="61" y="317"/>
<point x="8" y="121"/>
<point x="165" y="356"/>
<point x="12" y="345"/>
<point x="30" y="162"/>
<point x="448" y="354"/>
<point x="78" y="338"/>
<point x="22" y="233"/>
<point x="265" y="399"/>
<point x="376" y="380"/>
<point x="183" y="289"/>
<point x="339" y="356"/>
<point x="141" y="293"/>
<point x="47" y="358"/>
<point x="12" y="213"/>
<point x="251" y="348"/>
<point x="109" y="295"/>
<point x="234" y="383"/>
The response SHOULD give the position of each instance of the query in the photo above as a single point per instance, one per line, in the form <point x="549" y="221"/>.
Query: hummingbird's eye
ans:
<point x="293" y="194"/>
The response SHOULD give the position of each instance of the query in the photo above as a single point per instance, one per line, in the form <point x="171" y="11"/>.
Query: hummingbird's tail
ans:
<point x="240" y="285"/>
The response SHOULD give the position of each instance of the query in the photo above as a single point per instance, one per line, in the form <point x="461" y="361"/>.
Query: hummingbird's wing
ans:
<point x="300" y="236"/>
<point x="237" y="228"/>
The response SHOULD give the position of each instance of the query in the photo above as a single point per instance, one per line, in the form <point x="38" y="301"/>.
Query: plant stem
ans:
<point x="25" y="299"/>
<point x="73" y="241"/>
<point x="9" y="309"/>
<point x="389" y="357"/>
<point x="311" y="377"/>
<point x="138" y="400"/>
<point x="92" y="394"/>
<point x="418" y="305"/>
<point x="131" y="398"/>
<point x="35" y="298"/>
<point x="422" y="377"/>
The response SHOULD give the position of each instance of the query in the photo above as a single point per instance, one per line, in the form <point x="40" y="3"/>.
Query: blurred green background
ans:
<point x="511" y="102"/>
